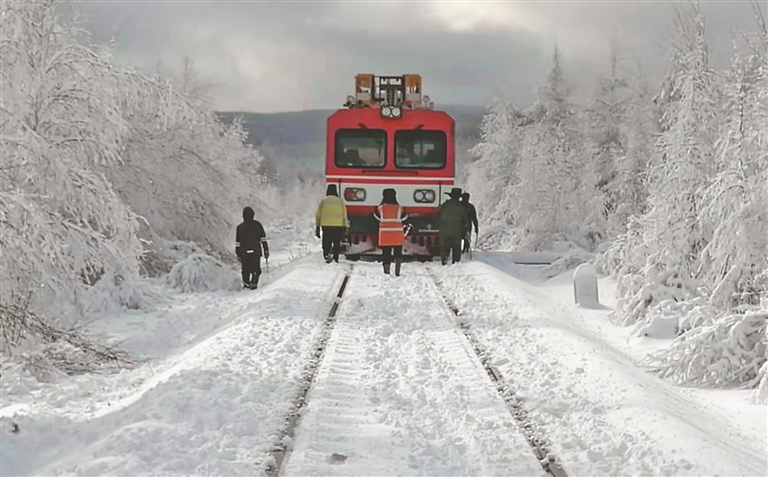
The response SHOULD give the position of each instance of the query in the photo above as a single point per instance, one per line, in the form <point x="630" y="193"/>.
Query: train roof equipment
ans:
<point x="390" y="94"/>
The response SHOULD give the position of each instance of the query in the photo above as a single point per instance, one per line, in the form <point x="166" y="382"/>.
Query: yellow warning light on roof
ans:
<point x="372" y="91"/>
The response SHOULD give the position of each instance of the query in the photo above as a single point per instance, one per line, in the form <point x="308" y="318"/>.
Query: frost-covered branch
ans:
<point x="98" y="161"/>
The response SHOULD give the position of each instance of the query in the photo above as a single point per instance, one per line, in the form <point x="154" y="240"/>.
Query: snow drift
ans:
<point x="203" y="273"/>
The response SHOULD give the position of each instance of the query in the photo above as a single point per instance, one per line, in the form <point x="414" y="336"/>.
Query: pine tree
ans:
<point x="723" y="338"/>
<point x="621" y="129"/>
<point x="493" y="173"/>
<point x="681" y="168"/>
<point x="736" y="203"/>
<point x="551" y="193"/>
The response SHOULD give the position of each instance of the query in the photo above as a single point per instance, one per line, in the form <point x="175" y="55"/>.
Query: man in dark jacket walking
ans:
<point x="453" y="222"/>
<point x="472" y="213"/>
<point x="249" y="242"/>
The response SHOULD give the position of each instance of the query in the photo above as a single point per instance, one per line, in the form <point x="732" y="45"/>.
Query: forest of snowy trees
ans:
<point x="666" y="186"/>
<point x="107" y="174"/>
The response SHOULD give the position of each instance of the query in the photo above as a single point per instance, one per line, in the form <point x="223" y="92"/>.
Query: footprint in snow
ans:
<point x="337" y="458"/>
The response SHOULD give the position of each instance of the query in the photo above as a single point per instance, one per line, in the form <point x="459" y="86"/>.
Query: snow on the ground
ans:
<point x="632" y="342"/>
<point x="182" y="317"/>
<point x="214" y="406"/>
<point x="400" y="392"/>
<point x="223" y="367"/>
<point x="578" y="376"/>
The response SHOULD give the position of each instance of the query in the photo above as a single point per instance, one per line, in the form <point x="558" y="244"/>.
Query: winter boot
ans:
<point x="386" y="268"/>
<point x="397" y="266"/>
<point x="328" y="258"/>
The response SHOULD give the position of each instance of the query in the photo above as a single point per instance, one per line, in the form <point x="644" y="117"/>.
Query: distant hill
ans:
<point x="302" y="127"/>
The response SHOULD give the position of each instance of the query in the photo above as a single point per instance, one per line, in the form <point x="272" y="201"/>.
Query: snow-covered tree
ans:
<point x="700" y="254"/>
<point x="726" y="344"/>
<point x="621" y="126"/>
<point x="85" y="145"/>
<point x="554" y="193"/>
<point x="187" y="173"/>
<point x="681" y="168"/>
<point x="537" y="190"/>
<point x="736" y="202"/>
<point x="63" y="226"/>
<point x="632" y="167"/>
<point x="493" y="173"/>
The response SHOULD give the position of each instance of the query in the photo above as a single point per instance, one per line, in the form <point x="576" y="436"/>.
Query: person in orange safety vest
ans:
<point x="391" y="215"/>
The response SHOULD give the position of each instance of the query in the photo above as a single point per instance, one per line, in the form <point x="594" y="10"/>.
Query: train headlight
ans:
<point x="392" y="112"/>
<point x="353" y="194"/>
<point x="424" y="196"/>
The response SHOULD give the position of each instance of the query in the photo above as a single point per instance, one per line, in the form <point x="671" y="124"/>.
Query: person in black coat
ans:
<point x="472" y="212"/>
<point x="250" y="240"/>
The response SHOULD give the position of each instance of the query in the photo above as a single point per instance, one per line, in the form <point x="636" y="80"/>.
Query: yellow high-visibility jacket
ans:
<point x="331" y="212"/>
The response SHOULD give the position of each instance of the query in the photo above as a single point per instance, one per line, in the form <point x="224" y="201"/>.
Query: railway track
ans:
<point x="308" y="377"/>
<point x="392" y="369"/>
<point x="539" y="443"/>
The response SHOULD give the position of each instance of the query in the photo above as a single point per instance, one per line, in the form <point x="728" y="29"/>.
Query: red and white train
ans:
<point x="389" y="136"/>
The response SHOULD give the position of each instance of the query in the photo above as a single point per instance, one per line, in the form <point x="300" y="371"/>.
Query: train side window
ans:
<point x="420" y="149"/>
<point x="360" y="148"/>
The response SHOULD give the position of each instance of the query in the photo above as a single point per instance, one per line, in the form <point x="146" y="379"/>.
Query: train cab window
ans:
<point x="361" y="148"/>
<point x="420" y="149"/>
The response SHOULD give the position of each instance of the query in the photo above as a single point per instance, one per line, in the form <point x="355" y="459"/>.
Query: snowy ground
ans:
<point x="212" y="406"/>
<point x="399" y="391"/>
<point x="578" y="373"/>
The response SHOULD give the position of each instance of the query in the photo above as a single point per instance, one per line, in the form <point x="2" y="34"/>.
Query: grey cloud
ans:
<point x="269" y="56"/>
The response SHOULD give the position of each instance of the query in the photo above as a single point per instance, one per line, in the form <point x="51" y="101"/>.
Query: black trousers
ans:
<point x="332" y="241"/>
<point x="452" y="245"/>
<point x="386" y="253"/>
<point x="467" y="240"/>
<point x="251" y="263"/>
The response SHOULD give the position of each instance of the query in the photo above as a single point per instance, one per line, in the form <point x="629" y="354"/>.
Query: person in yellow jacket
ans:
<point x="332" y="218"/>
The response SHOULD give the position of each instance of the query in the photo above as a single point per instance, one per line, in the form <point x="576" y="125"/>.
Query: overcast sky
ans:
<point x="289" y="55"/>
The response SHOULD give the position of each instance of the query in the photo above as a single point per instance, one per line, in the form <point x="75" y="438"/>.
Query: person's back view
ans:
<point x="250" y="238"/>
<point x="391" y="215"/>
<point x="331" y="216"/>
<point x="472" y="214"/>
<point x="453" y="222"/>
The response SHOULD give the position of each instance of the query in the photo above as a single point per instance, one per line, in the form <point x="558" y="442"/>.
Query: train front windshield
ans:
<point x="413" y="149"/>
<point x="419" y="149"/>
<point x="361" y="148"/>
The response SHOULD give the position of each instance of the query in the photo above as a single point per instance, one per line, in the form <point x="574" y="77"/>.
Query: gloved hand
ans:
<point x="317" y="232"/>
<point x="266" y="254"/>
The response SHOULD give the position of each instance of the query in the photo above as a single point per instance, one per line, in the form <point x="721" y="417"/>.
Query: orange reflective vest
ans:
<point x="391" y="227"/>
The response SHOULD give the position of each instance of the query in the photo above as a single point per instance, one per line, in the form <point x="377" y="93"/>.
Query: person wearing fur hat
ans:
<point x="453" y="221"/>
<point x="250" y="239"/>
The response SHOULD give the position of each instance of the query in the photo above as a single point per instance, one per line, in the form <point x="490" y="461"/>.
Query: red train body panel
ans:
<point x="387" y="139"/>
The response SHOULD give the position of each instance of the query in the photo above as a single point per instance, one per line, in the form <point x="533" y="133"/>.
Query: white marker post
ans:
<point x="585" y="286"/>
